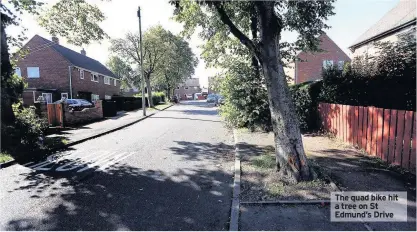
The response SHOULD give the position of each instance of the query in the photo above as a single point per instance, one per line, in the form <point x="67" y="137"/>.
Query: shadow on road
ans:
<point x="129" y="198"/>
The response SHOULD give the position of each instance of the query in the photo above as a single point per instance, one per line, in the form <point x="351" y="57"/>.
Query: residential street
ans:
<point x="171" y="171"/>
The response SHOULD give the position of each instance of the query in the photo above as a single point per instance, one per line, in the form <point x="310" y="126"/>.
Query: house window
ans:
<point x="64" y="95"/>
<point x="186" y="87"/>
<point x="33" y="72"/>
<point x="178" y="87"/>
<point x="94" y="77"/>
<point x="107" y="97"/>
<point x="95" y="97"/>
<point x="115" y="82"/>
<point x="340" y="64"/>
<point x="327" y="64"/>
<point x="47" y="97"/>
<point x="195" y="87"/>
<point x="81" y="74"/>
<point x="18" y="72"/>
<point x="107" y="80"/>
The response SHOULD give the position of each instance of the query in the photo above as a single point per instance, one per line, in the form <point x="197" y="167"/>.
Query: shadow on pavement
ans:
<point x="195" y="119"/>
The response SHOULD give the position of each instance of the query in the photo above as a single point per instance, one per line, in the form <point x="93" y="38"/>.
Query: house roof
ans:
<point x="402" y="14"/>
<point x="80" y="60"/>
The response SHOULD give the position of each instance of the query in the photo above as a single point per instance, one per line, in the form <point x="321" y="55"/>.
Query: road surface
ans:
<point x="172" y="171"/>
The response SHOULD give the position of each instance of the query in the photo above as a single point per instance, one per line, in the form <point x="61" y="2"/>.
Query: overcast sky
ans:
<point x="353" y="17"/>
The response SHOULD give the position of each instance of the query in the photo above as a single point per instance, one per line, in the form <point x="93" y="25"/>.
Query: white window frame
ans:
<point x="327" y="64"/>
<point x="106" y="80"/>
<point x="81" y="74"/>
<point x="95" y="97"/>
<point x="64" y="94"/>
<point x="107" y="97"/>
<point x="92" y="77"/>
<point x="115" y="82"/>
<point x="46" y="98"/>
<point x="30" y="70"/>
<point x="18" y="72"/>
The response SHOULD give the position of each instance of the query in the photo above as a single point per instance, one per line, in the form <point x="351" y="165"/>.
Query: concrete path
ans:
<point x="171" y="171"/>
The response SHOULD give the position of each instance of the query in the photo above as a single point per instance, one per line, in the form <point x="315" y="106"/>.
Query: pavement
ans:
<point x="346" y="165"/>
<point x="171" y="171"/>
<point x="123" y="118"/>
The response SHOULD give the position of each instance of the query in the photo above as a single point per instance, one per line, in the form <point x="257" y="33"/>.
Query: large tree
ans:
<point x="179" y="63"/>
<point x="153" y="52"/>
<point x="258" y="25"/>
<point x="76" y="20"/>
<point x="129" y="78"/>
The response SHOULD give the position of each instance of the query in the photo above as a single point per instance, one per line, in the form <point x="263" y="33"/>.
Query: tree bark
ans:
<point x="148" y="87"/>
<point x="290" y="156"/>
<point x="7" y="115"/>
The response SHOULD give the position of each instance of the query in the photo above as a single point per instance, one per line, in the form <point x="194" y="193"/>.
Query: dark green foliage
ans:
<point x="305" y="96"/>
<point x="26" y="133"/>
<point x="386" y="81"/>
<point x="109" y="108"/>
<point x="158" y="97"/>
<point x="246" y="100"/>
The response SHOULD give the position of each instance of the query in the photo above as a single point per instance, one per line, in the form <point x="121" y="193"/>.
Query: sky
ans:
<point x="352" y="18"/>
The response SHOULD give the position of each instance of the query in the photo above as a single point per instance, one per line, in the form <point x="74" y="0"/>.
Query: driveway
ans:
<point x="172" y="171"/>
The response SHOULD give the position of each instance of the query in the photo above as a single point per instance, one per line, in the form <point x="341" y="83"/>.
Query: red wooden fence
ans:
<point x="384" y="133"/>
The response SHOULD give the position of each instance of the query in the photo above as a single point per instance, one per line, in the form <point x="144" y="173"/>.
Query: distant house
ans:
<point x="309" y="65"/>
<point x="54" y="71"/>
<point x="189" y="87"/>
<point x="399" y="20"/>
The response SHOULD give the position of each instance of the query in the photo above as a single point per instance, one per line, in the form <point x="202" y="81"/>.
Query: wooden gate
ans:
<point x="55" y="114"/>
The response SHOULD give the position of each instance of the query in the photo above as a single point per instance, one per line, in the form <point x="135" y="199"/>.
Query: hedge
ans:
<point x="305" y="96"/>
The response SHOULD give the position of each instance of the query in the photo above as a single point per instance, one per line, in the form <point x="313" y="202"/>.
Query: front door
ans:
<point x="47" y="97"/>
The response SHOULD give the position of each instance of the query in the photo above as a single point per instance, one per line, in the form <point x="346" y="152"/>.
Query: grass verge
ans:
<point x="260" y="181"/>
<point x="4" y="157"/>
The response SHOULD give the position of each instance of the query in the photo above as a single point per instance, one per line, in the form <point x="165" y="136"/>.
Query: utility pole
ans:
<point x="141" y="66"/>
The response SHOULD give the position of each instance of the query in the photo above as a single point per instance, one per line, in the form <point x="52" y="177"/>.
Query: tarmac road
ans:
<point x="172" y="171"/>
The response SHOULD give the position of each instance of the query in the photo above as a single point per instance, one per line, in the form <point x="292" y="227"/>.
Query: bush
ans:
<point x="161" y="96"/>
<point x="246" y="100"/>
<point x="27" y="131"/>
<point x="305" y="97"/>
<point x="386" y="81"/>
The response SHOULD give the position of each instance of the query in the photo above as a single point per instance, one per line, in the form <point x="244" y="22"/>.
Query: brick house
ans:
<point x="54" y="71"/>
<point x="189" y="87"/>
<point x="398" y="21"/>
<point x="312" y="63"/>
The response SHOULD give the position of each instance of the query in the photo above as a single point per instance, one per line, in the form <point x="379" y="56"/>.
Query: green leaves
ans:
<point x="76" y="20"/>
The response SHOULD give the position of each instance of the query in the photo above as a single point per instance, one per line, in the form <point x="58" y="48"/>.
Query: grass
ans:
<point x="4" y="157"/>
<point x="264" y="161"/>
<point x="161" y="106"/>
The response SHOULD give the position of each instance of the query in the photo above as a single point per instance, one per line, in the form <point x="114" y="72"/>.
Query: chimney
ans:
<point x="83" y="52"/>
<point x="55" y="39"/>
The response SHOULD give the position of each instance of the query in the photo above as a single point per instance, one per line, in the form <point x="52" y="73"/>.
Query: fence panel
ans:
<point x="386" y="133"/>
<point x="55" y="115"/>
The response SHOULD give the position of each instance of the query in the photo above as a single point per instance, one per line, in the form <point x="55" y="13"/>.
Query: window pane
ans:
<point x="33" y="72"/>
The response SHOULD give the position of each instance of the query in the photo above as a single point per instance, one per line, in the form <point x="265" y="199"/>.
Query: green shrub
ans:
<point x="26" y="133"/>
<point x="386" y="81"/>
<point x="305" y="97"/>
<point x="246" y="101"/>
<point x="161" y="96"/>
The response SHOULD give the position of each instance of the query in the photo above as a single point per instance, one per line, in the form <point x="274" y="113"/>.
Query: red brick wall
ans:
<point x="311" y="68"/>
<point x="53" y="68"/>
<point x="86" y="85"/>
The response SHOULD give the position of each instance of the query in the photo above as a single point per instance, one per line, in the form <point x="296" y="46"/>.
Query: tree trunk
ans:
<point x="290" y="156"/>
<point x="7" y="115"/>
<point x="148" y="87"/>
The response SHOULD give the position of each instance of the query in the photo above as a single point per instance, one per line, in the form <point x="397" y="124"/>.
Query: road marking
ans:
<point x="66" y="163"/>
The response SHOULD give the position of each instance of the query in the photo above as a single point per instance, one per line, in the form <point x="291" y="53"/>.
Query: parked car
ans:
<point x="212" y="98"/>
<point x="76" y="104"/>
<point x="220" y="100"/>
